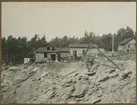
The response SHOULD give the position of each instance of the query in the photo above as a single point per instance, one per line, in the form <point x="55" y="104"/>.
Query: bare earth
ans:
<point x="69" y="83"/>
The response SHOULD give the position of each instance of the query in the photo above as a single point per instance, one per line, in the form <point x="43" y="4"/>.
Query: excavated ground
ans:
<point x="69" y="83"/>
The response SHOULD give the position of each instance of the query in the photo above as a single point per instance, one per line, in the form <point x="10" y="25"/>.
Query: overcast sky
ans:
<point x="66" y="18"/>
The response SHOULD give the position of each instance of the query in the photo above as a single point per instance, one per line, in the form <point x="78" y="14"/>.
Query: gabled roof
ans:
<point x="125" y="41"/>
<point x="44" y="49"/>
<point x="48" y="44"/>
<point x="81" y="45"/>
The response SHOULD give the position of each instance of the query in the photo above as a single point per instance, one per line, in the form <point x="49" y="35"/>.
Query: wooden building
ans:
<point x="78" y="50"/>
<point x="127" y="45"/>
<point x="49" y="52"/>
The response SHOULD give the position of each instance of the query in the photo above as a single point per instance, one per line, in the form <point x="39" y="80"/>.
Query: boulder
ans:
<point x="126" y="74"/>
<point x="65" y="93"/>
<point x="94" y="100"/>
<point x="80" y="90"/>
<point x="91" y="73"/>
<point x="111" y="71"/>
<point x="67" y="83"/>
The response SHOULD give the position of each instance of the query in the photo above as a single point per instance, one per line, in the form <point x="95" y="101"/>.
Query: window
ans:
<point x="45" y="55"/>
<point x="48" y="48"/>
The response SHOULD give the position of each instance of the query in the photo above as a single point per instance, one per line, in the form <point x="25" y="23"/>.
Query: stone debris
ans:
<point x="113" y="75"/>
<point x="111" y="71"/>
<point x="91" y="73"/>
<point x="126" y="74"/>
<point x="104" y="79"/>
<point x="68" y="83"/>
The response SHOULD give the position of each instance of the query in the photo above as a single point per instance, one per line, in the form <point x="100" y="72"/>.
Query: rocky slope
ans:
<point x="69" y="83"/>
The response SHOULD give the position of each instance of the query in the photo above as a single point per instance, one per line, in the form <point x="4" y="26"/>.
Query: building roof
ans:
<point x="81" y="45"/>
<point x="62" y="49"/>
<point x="44" y="49"/>
<point x="125" y="41"/>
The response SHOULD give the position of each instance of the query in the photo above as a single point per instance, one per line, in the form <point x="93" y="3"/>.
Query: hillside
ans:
<point x="70" y="83"/>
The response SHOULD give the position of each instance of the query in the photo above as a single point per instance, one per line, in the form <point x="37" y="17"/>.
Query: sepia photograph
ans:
<point x="68" y="52"/>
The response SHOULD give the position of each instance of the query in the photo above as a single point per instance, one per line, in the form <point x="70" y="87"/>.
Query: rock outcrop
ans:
<point x="68" y="83"/>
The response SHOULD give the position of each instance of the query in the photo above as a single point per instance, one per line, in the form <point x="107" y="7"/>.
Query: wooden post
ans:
<point x="105" y="56"/>
<point x="56" y="58"/>
<point x="85" y="53"/>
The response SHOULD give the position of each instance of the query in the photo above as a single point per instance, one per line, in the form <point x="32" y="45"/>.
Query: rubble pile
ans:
<point x="69" y="83"/>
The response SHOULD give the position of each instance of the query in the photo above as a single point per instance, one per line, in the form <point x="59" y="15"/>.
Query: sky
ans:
<point x="66" y="18"/>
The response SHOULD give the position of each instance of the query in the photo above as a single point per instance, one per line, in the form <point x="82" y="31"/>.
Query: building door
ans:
<point x="83" y="52"/>
<point x="53" y="57"/>
<point x="75" y="54"/>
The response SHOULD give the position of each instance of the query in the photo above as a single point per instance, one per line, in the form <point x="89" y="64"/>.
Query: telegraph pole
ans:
<point x="6" y="52"/>
<point x="113" y="43"/>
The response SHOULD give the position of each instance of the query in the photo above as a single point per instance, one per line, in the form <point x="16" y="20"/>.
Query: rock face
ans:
<point x="68" y="83"/>
<point x="80" y="89"/>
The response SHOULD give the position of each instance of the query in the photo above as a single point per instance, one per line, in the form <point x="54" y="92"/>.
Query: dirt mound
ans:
<point x="69" y="83"/>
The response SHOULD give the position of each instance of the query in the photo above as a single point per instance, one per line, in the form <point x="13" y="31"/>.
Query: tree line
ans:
<point x="15" y="49"/>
